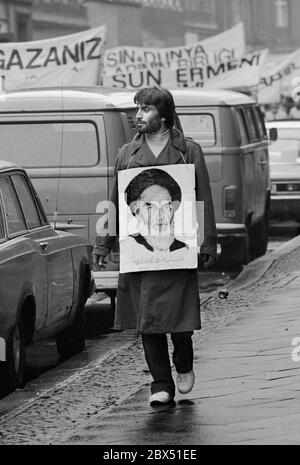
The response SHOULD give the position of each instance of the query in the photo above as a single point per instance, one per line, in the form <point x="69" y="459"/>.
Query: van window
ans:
<point x="199" y="127"/>
<point x="242" y="126"/>
<point x="2" y="233"/>
<point x="259" y="122"/>
<point x="50" y="144"/>
<point x="251" y="126"/>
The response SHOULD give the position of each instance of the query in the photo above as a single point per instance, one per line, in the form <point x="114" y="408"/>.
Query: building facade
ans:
<point x="269" y="24"/>
<point x="15" y="20"/>
<point x="52" y="18"/>
<point x="121" y="17"/>
<point x="24" y="20"/>
<point x="162" y="23"/>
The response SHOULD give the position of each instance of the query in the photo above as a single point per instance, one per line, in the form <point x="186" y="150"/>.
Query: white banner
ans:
<point x="277" y="78"/>
<point x="221" y="48"/>
<point x="241" y="72"/>
<point x="67" y="60"/>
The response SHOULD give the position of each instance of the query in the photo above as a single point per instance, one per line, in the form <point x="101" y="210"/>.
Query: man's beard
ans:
<point x="151" y="127"/>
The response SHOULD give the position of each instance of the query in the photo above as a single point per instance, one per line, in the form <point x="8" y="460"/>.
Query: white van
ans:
<point x="68" y="140"/>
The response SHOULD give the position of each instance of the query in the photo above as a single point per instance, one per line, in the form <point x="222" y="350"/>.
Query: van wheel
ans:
<point x="259" y="235"/>
<point x="71" y="340"/>
<point x="12" y="371"/>
<point x="235" y="251"/>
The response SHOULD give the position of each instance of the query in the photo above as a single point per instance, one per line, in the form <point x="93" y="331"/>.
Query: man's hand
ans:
<point x="206" y="260"/>
<point x="99" y="262"/>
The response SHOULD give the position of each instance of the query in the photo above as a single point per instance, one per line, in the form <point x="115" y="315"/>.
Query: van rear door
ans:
<point x="259" y="151"/>
<point x="201" y="125"/>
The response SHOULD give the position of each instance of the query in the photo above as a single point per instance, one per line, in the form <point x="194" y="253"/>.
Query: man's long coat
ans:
<point x="162" y="301"/>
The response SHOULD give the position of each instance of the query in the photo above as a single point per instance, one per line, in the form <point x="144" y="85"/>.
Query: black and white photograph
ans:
<point x="158" y="223"/>
<point x="149" y="227"/>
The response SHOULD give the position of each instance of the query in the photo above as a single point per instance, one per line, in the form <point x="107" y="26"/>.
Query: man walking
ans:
<point x="157" y="303"/>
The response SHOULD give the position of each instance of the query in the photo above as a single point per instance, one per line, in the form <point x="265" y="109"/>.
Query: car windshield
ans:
<point x="285" y="151"/>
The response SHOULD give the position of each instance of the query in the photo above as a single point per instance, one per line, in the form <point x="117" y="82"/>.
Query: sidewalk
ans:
<point x="247" y="388"/>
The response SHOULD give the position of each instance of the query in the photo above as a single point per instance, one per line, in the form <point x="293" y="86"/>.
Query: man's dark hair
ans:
<point x="161" y="98"/>
<point x="151" y="177"/>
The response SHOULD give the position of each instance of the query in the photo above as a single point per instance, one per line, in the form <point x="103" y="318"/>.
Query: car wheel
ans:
<point x="71" y="340"/>
<point x="259" y="236"/>
<point x="12" y="372"/>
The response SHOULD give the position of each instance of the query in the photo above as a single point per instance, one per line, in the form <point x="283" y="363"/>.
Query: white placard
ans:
<point x="157" y="218"/>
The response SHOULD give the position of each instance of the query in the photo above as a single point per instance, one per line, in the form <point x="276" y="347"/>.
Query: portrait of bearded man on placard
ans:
<point x="153" y="197"/>
<point x="157" y="205"/>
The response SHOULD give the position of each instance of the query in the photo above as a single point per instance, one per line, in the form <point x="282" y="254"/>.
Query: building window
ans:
<point x="192" y="5"/>
<point x="23" y="29"/>
<point x="201" y="13"/>
<point x="208" y="6"/>
<point x="205" y="6"/>
<point x="164" y="4"/>
<point x="282" y="13"/>
<point x="257" y="10"/>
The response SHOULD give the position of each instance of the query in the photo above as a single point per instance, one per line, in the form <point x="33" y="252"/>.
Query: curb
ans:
<point x="256" y="269"/>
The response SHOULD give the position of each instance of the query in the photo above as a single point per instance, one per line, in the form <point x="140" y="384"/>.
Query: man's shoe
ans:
<point x="159" y="398"/>
<point x="185" y="381"/>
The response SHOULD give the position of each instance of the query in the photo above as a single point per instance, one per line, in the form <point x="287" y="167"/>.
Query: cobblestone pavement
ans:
<point x="70" y="412"/>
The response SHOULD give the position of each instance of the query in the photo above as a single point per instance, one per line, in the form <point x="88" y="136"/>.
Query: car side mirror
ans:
<point x="273" y="134"/>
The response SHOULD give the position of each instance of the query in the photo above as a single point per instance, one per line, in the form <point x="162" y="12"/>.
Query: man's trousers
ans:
<point x="158" y="360"/>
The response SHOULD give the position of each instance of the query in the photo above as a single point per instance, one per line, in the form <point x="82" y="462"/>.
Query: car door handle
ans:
<point x="44" y="245"/>
<point x="262" y="162"/>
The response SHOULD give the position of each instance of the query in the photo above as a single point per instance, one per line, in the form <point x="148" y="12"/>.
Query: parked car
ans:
<point x="285" y="170"/>
<point x="45" y="278"/>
